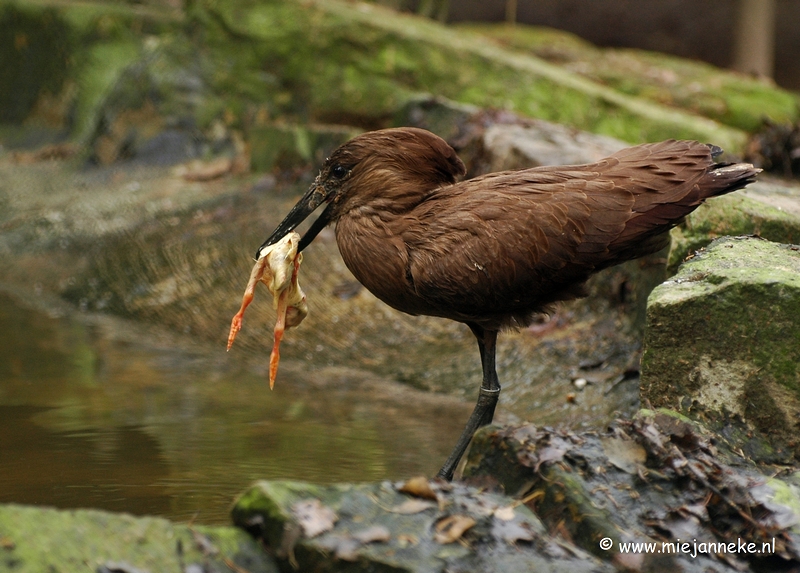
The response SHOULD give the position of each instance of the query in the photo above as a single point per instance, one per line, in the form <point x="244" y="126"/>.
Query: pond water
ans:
<point x="101" y="412"/>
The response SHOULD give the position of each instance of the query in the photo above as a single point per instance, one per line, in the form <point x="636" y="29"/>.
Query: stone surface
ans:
<point x="293" y="146"/>
<point x="659" y="479"/>
<point x="417" y="526"/>
<point x="213" y="66"/>
<point x="723" y="334"/>
<point x="39" y="540"/>
<point x="543" y="143"/>
<point x="768" y="208"/>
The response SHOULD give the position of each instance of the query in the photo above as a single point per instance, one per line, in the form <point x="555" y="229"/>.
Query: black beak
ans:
<point x="307" y="204"/>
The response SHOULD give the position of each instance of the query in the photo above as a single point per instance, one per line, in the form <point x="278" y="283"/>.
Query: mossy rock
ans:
<point x="35" y="51"/>
<point x="338" y="62"/>
<point x="611" y="493"/>
<point x="285" y="146"/>
<point x="723" y="333"/>
<point x="332" y="63"/>
<point x="766" y="208"/>
<point x="728" y="97"/>
<point x="36" y="539"/>
<point x="381" y="528"/>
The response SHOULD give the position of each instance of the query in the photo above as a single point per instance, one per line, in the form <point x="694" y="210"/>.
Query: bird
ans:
<point x="495" y="251"/>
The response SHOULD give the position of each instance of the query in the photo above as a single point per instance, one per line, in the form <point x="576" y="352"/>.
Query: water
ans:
<point x="101" y="412"/>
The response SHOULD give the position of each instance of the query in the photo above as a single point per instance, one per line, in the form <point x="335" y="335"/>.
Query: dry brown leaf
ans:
<point x="511" y="532"/>
<point x="418" y="486"/>
<point x="451" y="528"/>
<point x="411" y="506"/>
<point x="404" y="540"/>
<point x="372" y="534"/>
<point x="626" y="455"/>
<point x="313" y="517"/>
<point x="504" y="513"/>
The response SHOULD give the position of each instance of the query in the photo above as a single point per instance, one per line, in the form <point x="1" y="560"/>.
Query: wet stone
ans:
<point x="723" y="338"/>
<point x="378" y="527"/>
<point x="768" y="208"/>
<point x="659" y="479"/>
<point x="45" y="539"/>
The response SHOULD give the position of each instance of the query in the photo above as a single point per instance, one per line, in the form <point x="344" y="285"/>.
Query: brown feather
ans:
<point x="497" y="249"/>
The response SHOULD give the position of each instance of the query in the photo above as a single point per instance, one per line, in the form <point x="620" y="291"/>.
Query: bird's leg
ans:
<point x="487" y="399"/>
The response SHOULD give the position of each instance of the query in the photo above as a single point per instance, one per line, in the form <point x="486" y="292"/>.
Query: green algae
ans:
<point x="724" y="332"/>
<point x="733" y="99"/>
<point x="750" y="213"/>
<point x="330" y="62"/>
<point x="43" y="539"/>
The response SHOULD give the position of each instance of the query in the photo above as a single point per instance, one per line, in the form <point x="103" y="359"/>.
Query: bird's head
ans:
<point x="388" y="169"/>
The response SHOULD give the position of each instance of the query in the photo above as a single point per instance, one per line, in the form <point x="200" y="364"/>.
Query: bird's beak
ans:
<point x="314" y="197"/>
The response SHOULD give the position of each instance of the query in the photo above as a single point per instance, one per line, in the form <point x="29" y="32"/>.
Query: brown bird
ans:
<point x="494" y="251"/>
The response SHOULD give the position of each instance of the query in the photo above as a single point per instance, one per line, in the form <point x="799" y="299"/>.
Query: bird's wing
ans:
<point x="517" y="237"/>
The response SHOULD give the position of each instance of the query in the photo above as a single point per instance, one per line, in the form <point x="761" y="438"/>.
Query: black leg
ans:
<point x="487" y="399"/>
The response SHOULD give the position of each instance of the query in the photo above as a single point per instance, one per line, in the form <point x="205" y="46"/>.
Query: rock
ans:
<point x="730" y="98"/>
<point x="35" y="49"/>
<point x="723" y="335"/>
<point x="150" y="114"/>
<point x="375" y="527"/>
<point x="658" y="479"/>
<point x="292" y="146"/>
<point x="494" y="140"/>
<point x="768" y="208"/>
<point x="450" y="120"/>
<point x="544" y="143"/>
<point x="36" y="539"/>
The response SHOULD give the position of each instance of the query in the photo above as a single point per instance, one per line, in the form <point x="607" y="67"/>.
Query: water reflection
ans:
<point x="100" y="412"/>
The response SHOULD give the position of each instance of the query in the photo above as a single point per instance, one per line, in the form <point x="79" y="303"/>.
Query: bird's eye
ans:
<point x="338" y="171"/>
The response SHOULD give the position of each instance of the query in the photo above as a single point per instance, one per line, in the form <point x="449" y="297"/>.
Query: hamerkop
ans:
<point x="494" y="251"/>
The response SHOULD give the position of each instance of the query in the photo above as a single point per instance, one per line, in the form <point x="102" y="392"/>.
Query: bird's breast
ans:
<point x="378" y="258"/>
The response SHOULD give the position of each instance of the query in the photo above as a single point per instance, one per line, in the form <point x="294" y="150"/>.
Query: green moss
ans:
<point x="339" y="63"/>
<point x="101" y="67"/>
<point x="43" y="539"/>
<point x="328" y="61"/>
<point x="730" y="98"/>
<point x="735" y="214"/>
<point x="724" y="331"/>
<point x="787" y="494"/>
<point x="35" y="53"/>
<point x="647" y="413"/>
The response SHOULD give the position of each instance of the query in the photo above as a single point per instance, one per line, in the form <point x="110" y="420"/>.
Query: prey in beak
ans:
<point x="308" y="203"/>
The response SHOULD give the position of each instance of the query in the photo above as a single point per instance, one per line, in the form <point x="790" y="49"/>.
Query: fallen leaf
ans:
<point x="511" y="531"/>
<point x="48" y="152"/>
<point x="549" y="454"/>
<point x="313" y="517"/>
<point x="451" y="528"/>
<point x="404" y="540"/>
<point x="411" y="506"/>
<point x="626" y="455"/>
<point x="372" y="534"/>
<point x="504" y="513"/>
<point x="343" y="547"/>
<point x="418" y="487"/>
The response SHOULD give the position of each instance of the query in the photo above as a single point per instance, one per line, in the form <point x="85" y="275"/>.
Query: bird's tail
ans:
<point x="724" y="178"/>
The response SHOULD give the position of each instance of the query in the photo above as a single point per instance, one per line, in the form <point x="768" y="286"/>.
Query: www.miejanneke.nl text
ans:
<point x="692" y="548"/>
